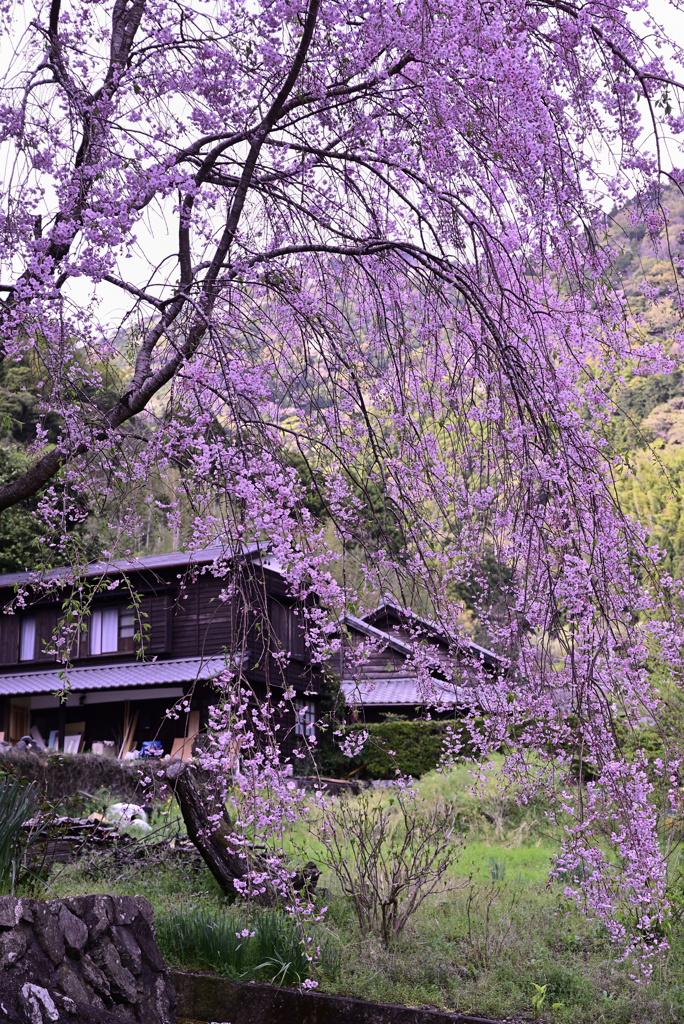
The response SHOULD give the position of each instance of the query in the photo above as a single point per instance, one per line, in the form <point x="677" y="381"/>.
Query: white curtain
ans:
<point x="27" y="646"/>
<point x="110" y="630"/>
<point x="104" y="631"/>
<point x="96" y="632"/>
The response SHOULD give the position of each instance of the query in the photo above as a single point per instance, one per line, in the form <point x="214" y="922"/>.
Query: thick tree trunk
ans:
<point x="211" y="841"/>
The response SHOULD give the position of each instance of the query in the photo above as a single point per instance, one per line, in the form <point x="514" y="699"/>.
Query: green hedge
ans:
<point x="417" y="747"/>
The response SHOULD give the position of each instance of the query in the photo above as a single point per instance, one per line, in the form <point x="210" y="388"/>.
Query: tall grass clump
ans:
<point x="272" y="948"/>
<point x="281" y="951"/>
<point x="200" y="938"/>
<point x="17" y="804"/>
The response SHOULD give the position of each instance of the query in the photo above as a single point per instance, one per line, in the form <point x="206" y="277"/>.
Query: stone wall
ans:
<point x="82" y="960"/>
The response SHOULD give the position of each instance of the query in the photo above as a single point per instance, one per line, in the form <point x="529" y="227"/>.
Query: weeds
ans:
<point x="17" y="805"/>
<point x="497" y="869"/>
<point x="271" y="947"/>
<point x="281" y="949"/>
<point x="489" y="915"/>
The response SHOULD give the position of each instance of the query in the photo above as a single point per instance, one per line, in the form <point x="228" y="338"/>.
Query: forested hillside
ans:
<point x="649" y="426"/>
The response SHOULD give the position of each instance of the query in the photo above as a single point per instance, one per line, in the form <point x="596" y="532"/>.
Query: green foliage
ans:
<point x="20" y="411"/>
<point x="635" y="402"/>
<point x="281" y="951"/>
<point x="20" y="531"/>
<point x="417" y="747"/>
<point x="312" y="483"/>
<point x="521" y="937"/>
<point x="538" y="999"/>
<point x="23" y="535"/>
<point x="225" y="943"/>
<point x="378" y="518"/>
<point x="655" y="494"/>
<point x="17" y="803"/>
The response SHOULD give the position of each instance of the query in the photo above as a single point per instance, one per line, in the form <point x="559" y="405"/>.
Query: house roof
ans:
<point x="377" y="634"/>
<point x="108" y="677"/>
<point x="397" y="691"/>
<point x="172" y="560"/>
<point x="388" y="606"/>
<point x="404" y="690"/>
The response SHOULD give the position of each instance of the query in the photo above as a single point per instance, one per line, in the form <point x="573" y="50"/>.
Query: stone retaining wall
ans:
<point x="82" y="960"/>
<point x="205" y="997"/>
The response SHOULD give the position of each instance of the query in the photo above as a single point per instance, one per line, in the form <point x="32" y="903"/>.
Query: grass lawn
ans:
<point x="478" y="948"/>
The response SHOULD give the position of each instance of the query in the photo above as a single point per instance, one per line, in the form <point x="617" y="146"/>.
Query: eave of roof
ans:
<point x="110" y="677"/>
<point x="399" y="692"/>
<point x="175" y="559"/>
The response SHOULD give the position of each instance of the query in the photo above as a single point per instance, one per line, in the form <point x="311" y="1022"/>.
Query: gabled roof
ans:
<point x="376" y="634"/>
<point x="389" y="608"/>
<point x="175" y="559"/>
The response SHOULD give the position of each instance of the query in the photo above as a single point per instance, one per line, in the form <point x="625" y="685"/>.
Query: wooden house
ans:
<point x="386" y="679"/>
<point x="159" y="629"/>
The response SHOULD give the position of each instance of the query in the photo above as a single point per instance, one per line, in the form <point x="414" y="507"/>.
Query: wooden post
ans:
<point x="61" y="726"/>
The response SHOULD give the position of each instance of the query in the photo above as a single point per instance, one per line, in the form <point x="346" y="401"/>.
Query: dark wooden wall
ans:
<point x="188" y="619"/>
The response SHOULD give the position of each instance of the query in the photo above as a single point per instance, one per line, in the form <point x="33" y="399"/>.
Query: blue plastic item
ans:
<point x="152" y="748"/>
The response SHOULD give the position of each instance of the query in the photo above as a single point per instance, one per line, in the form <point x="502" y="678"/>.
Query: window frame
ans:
<point x="305" y="724"/>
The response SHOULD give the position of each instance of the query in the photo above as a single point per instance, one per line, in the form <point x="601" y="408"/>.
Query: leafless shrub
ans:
<point x="388" y="860"/>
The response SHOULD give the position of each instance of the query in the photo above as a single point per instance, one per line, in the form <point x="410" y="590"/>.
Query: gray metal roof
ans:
<point x="404" y="692"/>
<point x="107" y="677"/>
<point x="402" y="647"/>
<point x="132" y="564"/>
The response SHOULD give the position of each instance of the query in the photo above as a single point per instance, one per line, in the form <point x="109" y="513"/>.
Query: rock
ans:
<point x="89" y="960"/>
<point x="76" y="904"/>
<point x="127" y="948"/>
<point x="10" y="910"/>
<point x="126" y="909"/>
<point x="145" y="908"/>
<point x="47" y="932"/>
<point x="122" y="983"/>
<point x="38" y="1003"/>
<point x="69" y="982"/>
<point x="99" y="916"/>
<point x="149" y="949"/>
<point x="12" y="946"/>
<point x="96" y="978"/>
<point x="74" y="931"/>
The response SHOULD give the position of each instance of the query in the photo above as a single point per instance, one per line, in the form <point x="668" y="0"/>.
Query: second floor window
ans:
<point x="126" y="623"/>
<point x="104" y="631"/>
<point x="111" y="630"/>
<point x="305" y="722"/>
<point x="27" y="638"/>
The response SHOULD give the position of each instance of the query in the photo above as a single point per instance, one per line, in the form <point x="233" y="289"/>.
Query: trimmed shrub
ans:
<point x="417" y="747"/>
<point x="61" y="776"/>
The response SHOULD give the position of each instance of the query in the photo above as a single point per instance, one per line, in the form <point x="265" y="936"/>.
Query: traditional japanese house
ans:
<point x="159" y="629"/>
<point x="386" y="679"/>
